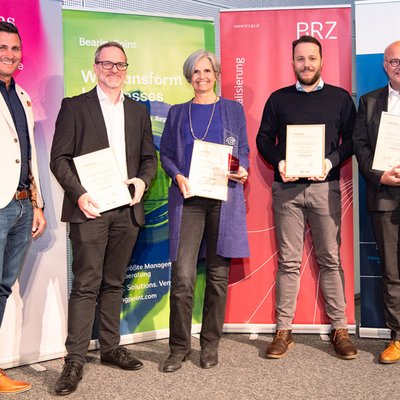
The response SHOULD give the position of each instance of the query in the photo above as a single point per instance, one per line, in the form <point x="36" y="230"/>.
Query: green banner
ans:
<point x="156" y="49"/>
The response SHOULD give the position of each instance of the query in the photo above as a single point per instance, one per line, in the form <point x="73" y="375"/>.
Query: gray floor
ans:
<point x="309" y="371"/>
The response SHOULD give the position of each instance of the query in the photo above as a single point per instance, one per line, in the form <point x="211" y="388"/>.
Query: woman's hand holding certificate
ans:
<point x="183" y="184"/>
<point x="239" y="176"/>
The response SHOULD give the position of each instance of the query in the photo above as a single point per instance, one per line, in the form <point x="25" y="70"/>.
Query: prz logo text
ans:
<point x="320" y="30"/>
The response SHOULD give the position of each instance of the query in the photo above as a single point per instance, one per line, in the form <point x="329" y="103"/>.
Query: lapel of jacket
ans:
<point x="97" y="117"/>
<point x="27" y="105"/>
<point x="382" y="101"/>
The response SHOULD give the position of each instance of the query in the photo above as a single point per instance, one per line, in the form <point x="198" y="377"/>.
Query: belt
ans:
<point x="22" y="194"/>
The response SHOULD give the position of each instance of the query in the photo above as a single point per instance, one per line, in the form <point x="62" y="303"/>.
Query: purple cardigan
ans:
<point x="232" y="236"/>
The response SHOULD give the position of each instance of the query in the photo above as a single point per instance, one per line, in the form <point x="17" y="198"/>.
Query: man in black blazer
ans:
<point x="102" y="243"/>
<point x="383" y="192"/>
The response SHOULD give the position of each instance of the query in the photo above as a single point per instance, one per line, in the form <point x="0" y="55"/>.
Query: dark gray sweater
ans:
<point x="332" y="106"/>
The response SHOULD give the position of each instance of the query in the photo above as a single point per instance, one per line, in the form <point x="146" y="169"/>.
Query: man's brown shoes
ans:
<point x="281" y="343"/>
<point x="391" y="354"/>
<point x="339" y="338"/>
<point x="8" y="385"/>
<point x="343" y="346"/>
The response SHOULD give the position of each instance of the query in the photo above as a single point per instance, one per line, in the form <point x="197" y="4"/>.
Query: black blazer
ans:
<point x="379" y="197"/>
<point x="80" y="129"/>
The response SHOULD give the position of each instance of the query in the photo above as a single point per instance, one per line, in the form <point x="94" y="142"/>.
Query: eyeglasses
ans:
<point x="394" y="62"/>
<point x="109" y="65"/>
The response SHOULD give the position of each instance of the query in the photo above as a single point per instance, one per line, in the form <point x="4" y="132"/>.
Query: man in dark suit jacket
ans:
<point x="102" y="243"/>
<point x="383" y="192"/>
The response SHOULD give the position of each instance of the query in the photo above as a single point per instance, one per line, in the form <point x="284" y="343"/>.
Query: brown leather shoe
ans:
<point x="344" y="348"/>
<point x="281" y="343"/>
<point x="8" y="385"/>
<point x="391" y="354"/>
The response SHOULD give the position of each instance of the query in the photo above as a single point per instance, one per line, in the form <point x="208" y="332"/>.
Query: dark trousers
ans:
<point x="386" y="228"/>
<point x="102" y="248"/>
<point x="200" y="217"/>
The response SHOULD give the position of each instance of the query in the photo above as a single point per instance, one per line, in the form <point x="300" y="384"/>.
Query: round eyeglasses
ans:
<point x="109" y="65"/>
<point x="394" y="62"/>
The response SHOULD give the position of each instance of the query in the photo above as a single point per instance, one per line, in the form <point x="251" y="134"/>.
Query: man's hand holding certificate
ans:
<point x="387" y="151"/>
<point x="89" y="206"/>
<point x="140" y="188"/>
<point x="100" y="176"/>
<point x="305" y="153"/>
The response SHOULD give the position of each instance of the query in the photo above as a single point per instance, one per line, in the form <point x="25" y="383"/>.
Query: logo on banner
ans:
<point x="320" y="30"/>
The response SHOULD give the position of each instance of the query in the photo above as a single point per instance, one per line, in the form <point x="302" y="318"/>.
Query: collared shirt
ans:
<point x="318" y="87"/>
<point x="114" y="118"/>
<point x="393" y="101"/>
<point x="18" y="115"/>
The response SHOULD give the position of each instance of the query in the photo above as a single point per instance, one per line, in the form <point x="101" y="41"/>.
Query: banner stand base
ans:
<point x="270" y="328"/>
<point x="374" y="333"/>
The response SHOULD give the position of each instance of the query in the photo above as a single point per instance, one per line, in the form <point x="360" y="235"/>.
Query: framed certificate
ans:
<point x="387" y="150"/>
<point x="208" y="168"/>
<point x="305" y="150"/>
<point x="100" y="176"/>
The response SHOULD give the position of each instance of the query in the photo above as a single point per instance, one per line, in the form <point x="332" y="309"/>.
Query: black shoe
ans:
<point x="208" y="357"/>
<point x="69" y="379"/>
<point x="174" y="361"/>
<point x="121" y="357"/>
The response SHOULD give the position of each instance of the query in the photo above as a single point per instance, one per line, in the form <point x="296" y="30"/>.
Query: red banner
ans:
<point x="256" y="57"/>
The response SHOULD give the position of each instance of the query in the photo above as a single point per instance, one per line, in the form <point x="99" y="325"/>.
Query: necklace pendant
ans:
<point x="209" y="122"/>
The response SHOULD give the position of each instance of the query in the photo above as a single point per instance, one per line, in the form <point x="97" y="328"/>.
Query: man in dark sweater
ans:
<point x="313" y="199"/>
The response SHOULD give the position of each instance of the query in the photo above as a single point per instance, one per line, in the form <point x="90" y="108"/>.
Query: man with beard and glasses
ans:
<point x="102" y="242"/>
<point x="316" y="200"/>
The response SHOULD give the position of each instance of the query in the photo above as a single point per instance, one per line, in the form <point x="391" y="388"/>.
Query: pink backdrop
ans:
<point x="33" y="328"/>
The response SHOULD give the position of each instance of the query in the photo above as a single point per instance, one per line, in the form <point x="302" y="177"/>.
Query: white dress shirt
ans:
<point x="393" y="101"/>
<point x="114" y="119"/>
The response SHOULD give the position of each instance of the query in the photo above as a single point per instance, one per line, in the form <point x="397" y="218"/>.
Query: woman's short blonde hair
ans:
<point x="192" y="60"/>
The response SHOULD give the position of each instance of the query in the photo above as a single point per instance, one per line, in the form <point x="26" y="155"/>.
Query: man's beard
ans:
<point x="309" y="81"/>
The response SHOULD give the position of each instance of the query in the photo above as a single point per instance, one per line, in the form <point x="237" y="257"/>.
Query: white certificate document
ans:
<point x="100" y="176"/>
<point x="208" y="169"/>
<point x="305" y="150"/>
<point x="387" y="150"/>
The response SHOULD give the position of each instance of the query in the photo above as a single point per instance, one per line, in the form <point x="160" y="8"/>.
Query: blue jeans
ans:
<point x="15" y="236"/>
